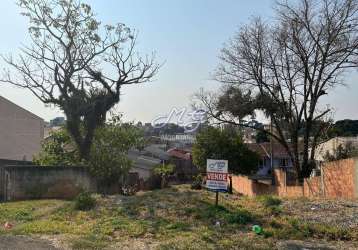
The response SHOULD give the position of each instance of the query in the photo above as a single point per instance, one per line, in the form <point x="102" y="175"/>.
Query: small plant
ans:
<point x="275" y="210"/>
<point x="239" y="217"/>
<point x="164" y="171"/>
<point x="270" y="201"/>
<point x="198" y="180"/>
<point x="84" y="201"/>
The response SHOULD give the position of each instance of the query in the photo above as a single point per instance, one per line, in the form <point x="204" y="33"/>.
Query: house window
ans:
<point x="284" y="162"/>
<point x="262" y="163"/>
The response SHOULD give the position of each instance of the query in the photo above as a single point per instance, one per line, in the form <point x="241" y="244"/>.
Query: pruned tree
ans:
<point x="284" y="68"/>
<point x="77" y="64"/>
<point x="108" y="160"/>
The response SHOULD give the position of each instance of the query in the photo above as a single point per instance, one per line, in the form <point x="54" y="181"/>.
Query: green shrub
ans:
<point x="270" y="201"/>
<point x="196" y="184"/>
<point x="84" y="201"/>
<point x="164" y="171"/>
<point x="220" y="213"/>
<point x="330" y="232"/>
<point x="275" y="210"/>
<point x="239" y="217"/>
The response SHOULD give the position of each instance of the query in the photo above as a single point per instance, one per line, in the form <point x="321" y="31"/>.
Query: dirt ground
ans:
<point x="149" y="220"/>
<point x="25" y="243"/>
<point x="341" y="213"/>
<point x="8" y="242"/>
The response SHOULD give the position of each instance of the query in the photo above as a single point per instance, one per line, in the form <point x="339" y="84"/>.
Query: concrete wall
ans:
<point x="3" y="163"/>
<point x="339" y="179"/>
<point x="331" y="146"/>
<point x="33" y="182"/>
<point x="21" y="132"/>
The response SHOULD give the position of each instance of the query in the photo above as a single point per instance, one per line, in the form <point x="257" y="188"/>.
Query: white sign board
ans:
<point x="216" y="175"/>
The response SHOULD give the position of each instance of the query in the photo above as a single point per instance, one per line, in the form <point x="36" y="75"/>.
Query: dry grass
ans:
<point x="174" y="218"/>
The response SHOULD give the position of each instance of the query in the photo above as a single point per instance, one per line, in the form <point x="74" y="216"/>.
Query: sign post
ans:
<point x="216" y="176"/>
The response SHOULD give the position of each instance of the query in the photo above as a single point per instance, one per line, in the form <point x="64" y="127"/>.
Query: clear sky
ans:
<point x="186" y="34"/>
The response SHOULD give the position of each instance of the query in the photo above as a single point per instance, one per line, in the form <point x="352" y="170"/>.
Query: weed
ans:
<point x="84" y="201"/>
<point x="239" y="217"/>
<point x="270" y="201"/>
<point x="89" y="242"/>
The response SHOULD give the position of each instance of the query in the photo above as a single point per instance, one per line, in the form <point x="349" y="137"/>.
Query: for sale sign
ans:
<point x="216" y="175"/>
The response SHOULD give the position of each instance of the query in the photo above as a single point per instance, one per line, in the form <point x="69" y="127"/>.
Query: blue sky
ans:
<point x="186" y="34"/>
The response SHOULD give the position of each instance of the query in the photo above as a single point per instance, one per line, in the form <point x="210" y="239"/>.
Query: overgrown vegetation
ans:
<point x="197" y="182"/>
<point x="108" y="160"/>
<point x="84" y="201"/>
<point x="57" y="150"/>
<point x="270" y="201"/>
<point x="214" y="143"/>
<point x="173" y="218"/>
<point x="164" y="171"/>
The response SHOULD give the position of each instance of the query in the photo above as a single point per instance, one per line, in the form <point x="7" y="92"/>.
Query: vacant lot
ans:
<point x="180" y="218"/>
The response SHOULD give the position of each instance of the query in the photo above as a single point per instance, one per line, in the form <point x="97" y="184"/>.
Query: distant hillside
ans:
<point x="344" y="128"/>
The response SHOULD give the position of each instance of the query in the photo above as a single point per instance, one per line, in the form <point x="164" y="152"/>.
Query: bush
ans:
<point x="275" y="210"/>
<point x="220" y="213"/>
<point x="164" y="171"/>
<point x="239" y="217"/>
<point x="196" y="184"/>
<point x="84" y="201"/>
<point x="270" y="201"/>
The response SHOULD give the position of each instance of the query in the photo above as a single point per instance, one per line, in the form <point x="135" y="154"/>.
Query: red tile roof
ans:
<point x="179" y="153"/>
<point x="264" y="149"/>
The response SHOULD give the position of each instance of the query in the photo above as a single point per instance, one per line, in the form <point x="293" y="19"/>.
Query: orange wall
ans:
<point x="338" y="179"/>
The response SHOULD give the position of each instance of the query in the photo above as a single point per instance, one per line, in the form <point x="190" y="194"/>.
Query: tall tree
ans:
<point x="77" y="64"/>
<point x="108" y="160"/>
<point x="226" y="144"/>
<point x="285" y="67"/>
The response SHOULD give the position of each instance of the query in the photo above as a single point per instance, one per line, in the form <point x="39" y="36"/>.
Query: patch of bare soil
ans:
<point x="135" y="244"/>
<point x="339" y="213"/>
<point x="307" y="245"/>
<point x="9" y="242"/>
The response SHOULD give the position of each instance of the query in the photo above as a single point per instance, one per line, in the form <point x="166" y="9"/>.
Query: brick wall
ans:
<point x="312" y="187"/>
<point x="246" y="186"/>
<point x="338" y="180"/>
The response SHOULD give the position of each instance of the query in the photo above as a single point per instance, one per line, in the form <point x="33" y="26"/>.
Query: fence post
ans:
<point x="230" y="184"/>
<point x="322" y="182"/>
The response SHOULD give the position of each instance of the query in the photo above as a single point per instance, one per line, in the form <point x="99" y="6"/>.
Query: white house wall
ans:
<point x="21" y="132"/>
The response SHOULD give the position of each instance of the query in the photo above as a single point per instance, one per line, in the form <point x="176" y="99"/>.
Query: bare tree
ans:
<point x="76" y="63"/>
<point x="284" y="68"/>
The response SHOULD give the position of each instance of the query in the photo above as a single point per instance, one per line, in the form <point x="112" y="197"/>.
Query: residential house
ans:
<point x="157" y="151"/>
<point x="184" y="167"/>
<point x="280" y="157"/>
<point x="58" y="122"/>
<point x="21" y="132"/>
<point x="332" y="145"/>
